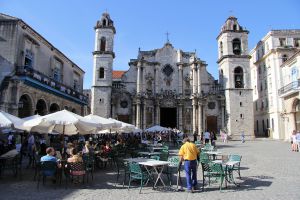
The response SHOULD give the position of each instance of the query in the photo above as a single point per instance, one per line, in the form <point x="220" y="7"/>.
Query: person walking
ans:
<point x="189" y="153"/>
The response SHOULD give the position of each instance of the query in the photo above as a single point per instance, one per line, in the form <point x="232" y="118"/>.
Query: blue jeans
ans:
<point x="190" y="168"/>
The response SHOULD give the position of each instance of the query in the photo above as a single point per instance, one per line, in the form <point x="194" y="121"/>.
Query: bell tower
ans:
<point x="234" y="71"/>
<point x="102" y="68"/>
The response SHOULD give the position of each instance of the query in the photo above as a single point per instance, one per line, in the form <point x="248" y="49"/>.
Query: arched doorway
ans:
<point x="296" y="109"/>
<point x="24" y="106"/>
<point x="41" y="107"/>
<point x="54" y="108"/>
<point x="73" y="110"/>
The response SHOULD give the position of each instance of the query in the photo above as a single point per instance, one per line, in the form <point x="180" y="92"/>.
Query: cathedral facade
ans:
<point x="172" y="88"/>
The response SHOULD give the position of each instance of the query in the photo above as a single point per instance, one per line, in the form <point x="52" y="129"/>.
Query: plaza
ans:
<point x="268" y="169"/>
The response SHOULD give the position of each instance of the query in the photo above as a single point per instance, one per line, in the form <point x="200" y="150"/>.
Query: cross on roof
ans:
<point x="167" y="34"/>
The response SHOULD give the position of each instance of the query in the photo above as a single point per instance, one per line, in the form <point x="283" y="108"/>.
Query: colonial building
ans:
<point x="36" y="77"/>
<point x="172" y="87"/>
<point x="270" y="83"/>
<point x="289" y="93"/>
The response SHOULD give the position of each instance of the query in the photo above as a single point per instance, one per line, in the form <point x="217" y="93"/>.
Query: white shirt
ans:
<point x="206" y="135"/>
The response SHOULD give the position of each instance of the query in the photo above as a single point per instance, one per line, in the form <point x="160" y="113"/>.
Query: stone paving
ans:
<point x="269" y="171"/>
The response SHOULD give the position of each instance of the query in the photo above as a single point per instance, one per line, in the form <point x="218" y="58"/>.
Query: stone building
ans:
<point x="172" y="87"/>
<point x="270" y="85"/>
<point x="36" y="77"/>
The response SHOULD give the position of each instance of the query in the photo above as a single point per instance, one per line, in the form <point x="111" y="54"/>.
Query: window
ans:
<point x="256" y="106"/>
<point x="76" y="78"/>
<point x="104" y="22"/>
<point x="236" y="46"/>
<point x="282" y="42"/>
<point x="221" y="48"/>
<point x="57" y="70"/>
<point x="102" y="44"/>
<point x="241" y="116"/>
<point x="168" y="70"/>
<point x="263" y="125"/>
<point x="101" y="72"/>
<point x="234" y="27"/>
<point x="284" y="58"/>
<point x="261" y="87"/>
<point x="296" y="42"/>
<point x="240" y="93"/>
<point x="238" y="77"/>
<point x="267" y="103"/>
<point x="241" y="104"/>
<point x="28" y="63"/>
<point x="257" y="126"/>
<point x="262" y="105"/>
<point x="267" y="123"/>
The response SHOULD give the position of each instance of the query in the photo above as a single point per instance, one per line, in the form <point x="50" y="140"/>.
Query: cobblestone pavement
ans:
<point x="269" y="171"/>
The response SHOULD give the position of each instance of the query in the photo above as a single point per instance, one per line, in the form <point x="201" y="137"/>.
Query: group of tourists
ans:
<point x="295" y="140"/>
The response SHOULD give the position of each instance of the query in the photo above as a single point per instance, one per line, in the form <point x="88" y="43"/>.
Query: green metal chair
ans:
<point x="237" y="166"/>
<point x="164" y="155"/>
<point x="89" y="163"/>
<point x="136" y="173"/>
<point x="122" y="166"/>
<point x="174" y="167"/>
<point x="155" y="157"/>
<point x="216" y="171"/>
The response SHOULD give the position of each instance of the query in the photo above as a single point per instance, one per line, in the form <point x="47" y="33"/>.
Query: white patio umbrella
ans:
<point x="31" y="117"/>
<point x="157" y="128"/>
<point x="63" y="122"/>
<point x="105" y="123"/>
<point x="8" y="120"/>
<point x="125" y="127"/>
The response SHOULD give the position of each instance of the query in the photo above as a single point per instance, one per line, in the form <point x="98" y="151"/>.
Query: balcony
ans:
<point x="289" y="89"/>
<point x="39" y="80"/>
<point x="214" y="89"/>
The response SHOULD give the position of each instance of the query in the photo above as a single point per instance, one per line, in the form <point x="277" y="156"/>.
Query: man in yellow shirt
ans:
<point x="189" y="153"/>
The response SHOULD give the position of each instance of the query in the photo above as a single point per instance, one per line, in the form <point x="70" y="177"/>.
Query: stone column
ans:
<point x="157" y="114"/>
<point x="134" y="114"/>
<point x="199" y="79"/>
<point x="138" y="114"/>
<point x="156" y="79"/>
<point x="200" y="128"/>
<point x="194" y="115"/>
<point x="204" y="127"/>
<point x="180" y="70"/>
<point x="142" y="80"/>
<point x="144" y="116"/>
<point x="138" y="87"/>
<point x="194" y="68"/>
<point x="180" y="122"/>
<point x="222" y="115"/>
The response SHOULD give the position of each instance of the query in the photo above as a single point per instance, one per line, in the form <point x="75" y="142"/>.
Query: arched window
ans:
<point x="234" y="27"/>
<point x="236" y="46"/>
<point x="101" y="72"/>
<point x="284" y="58"/>
<point x="238" y="77"/>
<point x="221" y="48"/>
<point x="221" y="77"/>
<point x="102" y="44"/>
<point x="104" y="22"/>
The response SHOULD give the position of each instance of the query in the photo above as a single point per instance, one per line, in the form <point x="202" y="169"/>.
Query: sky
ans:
<point x="192" y="24"/>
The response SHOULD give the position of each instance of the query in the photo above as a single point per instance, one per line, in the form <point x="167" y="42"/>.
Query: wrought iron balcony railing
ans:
<point x="46" y="80"/>
<point x="289" y="87"/>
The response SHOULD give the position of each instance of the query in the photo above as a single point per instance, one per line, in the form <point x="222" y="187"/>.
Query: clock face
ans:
<point x="124" y="104"/>
<point x="211" y="105"/>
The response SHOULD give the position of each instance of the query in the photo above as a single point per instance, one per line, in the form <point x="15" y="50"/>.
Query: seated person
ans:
<point x="50" y="157"/>
<point x="75" y="156"/>
<point x="70" y="146"/>
<point x="87" y="148"/>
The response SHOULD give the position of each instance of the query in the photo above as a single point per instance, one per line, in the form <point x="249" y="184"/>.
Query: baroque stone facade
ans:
<point x="35" y="77"/>
<point x="171" y="87"/>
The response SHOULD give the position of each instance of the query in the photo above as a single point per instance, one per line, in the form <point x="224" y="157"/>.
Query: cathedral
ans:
<point x="172" y="87"/>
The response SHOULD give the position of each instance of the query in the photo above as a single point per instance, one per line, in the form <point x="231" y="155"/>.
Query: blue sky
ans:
<point x="193" y="24"/>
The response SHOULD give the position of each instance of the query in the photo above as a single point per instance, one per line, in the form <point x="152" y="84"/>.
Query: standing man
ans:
<point x="206" y="137"/>
<point x="189" y="153"/>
